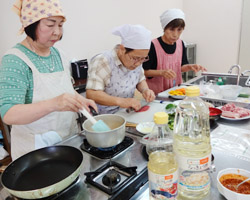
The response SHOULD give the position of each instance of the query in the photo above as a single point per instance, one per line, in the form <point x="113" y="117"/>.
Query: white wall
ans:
<point x="214" y="25"/>
<point x="244" y="55"/>
<point x="87" y="30"/>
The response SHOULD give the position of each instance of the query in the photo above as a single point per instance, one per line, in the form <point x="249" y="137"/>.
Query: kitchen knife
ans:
<point x="143" y="103"/>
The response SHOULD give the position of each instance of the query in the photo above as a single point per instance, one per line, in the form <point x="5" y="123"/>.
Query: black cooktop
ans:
<point x="106" y="153"/>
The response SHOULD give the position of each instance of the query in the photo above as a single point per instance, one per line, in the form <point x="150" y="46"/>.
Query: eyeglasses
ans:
<point x="136" y="59"/>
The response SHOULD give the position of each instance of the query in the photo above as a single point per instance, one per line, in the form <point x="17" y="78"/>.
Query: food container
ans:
<point x="145" y="127"/>
<point x="214" y="113"/>
<point x="108" y="138"/>
<point x="230" y="92"/>
<point x="229" y="194"/>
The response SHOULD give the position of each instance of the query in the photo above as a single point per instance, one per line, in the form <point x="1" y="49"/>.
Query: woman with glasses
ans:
<point x="114" y="75"/>
<point x="167" y="55"/>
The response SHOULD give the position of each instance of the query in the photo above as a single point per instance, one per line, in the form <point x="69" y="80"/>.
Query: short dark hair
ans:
<point x="128" y="50"/>
<point x="176" y="23"/>
<point x="31" y="30"/>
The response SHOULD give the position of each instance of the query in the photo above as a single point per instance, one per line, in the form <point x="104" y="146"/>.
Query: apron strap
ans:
<point x="22" y="56"/>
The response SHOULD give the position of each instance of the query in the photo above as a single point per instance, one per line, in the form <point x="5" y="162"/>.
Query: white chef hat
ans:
<point x="170" y="15"/>
<point x="133" y="36"/>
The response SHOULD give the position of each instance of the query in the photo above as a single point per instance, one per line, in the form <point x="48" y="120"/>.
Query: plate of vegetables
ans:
<point x="179" y="93"/>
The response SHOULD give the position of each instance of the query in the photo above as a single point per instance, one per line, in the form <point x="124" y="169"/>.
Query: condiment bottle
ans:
<point x="192" y="145"/>
<point x="162" y="165"/>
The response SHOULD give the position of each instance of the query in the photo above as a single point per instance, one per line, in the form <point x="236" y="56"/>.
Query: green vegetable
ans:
<point x="170" y="106"/>
<point x="171" y="120"/>
<point x="244" y="95"/>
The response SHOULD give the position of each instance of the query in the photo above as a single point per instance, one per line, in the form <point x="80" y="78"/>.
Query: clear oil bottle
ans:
<point x="192" y="145"/>
<point x="162" y="165"/>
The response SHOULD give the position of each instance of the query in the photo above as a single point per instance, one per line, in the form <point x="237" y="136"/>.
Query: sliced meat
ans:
<point x="229" y="107"/>
<point x="143" y="109"/>
<point x="232" y="111"/>
<point x="230" y="114"/>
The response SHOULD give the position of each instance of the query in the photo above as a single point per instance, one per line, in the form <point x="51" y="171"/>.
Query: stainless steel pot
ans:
<point x="108" y="138"/>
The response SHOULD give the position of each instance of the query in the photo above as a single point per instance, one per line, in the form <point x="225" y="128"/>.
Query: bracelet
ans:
<point x="144" y="89"/>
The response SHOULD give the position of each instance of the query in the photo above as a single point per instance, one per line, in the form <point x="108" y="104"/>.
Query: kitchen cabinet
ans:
<point x="7" y="159"/>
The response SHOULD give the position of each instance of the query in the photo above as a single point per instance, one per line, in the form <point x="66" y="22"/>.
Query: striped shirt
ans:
<point x="16" y="79"/>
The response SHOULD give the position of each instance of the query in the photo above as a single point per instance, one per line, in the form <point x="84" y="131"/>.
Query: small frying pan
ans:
<point x="43" y="172"/>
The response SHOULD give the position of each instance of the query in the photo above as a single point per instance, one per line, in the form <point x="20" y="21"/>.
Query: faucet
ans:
<point x="247" y="83"/>
<point x="239" y="68"/>
<point x="243" y="73"/>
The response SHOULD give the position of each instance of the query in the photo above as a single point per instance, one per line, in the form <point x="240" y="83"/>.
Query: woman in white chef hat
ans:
<point x="114" y="75"/>
<point x="37" y="96"/>
<point x="167" y="55"/>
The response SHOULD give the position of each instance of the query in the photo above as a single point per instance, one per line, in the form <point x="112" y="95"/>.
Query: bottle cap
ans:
<point x="161" y="118"/>
<point x="192" y="91"/>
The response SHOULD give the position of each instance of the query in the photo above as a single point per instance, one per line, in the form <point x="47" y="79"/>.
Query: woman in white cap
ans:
<point x="114" y="75"/>
<point x="37" y="97"/>
<point x="167" y="55"/>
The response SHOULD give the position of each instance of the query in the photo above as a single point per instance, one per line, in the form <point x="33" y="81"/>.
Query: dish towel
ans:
<point x="47" y="139"/>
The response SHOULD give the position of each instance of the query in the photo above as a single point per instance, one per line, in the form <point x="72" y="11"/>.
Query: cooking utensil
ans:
<point x="143" y="103"/>
<point x="108" y="138"/>
<point x="43" y="172"/>
<point x="99" y="125"/>
<point x="129" y="124"/>
<point x="242" y="183"/>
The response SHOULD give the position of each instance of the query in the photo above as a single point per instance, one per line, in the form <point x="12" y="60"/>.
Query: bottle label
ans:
<point x="163" y="186"/>
<point x="194" y="174"/>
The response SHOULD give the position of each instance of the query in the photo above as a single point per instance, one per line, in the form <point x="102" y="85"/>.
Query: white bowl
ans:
<point x="229" y="194"/>
<point x="230" y="92"/>
<point x="145" y="127"/>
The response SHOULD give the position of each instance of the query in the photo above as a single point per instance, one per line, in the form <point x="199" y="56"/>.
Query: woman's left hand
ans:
<point x="196" y="68"/>
<point x="148" y="95"/>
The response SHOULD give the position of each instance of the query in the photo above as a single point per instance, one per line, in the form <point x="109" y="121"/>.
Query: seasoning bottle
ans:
<point x="162" y="165"/>
<point x="220" y="81"/>
<point x="192" y="145"/>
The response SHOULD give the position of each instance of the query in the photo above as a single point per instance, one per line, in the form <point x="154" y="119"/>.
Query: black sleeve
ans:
<point x="184" y="60"/>
<point x="152" y="62"/>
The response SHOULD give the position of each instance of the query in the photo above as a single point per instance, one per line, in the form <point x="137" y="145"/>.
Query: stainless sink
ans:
<point x="228" y="79"/>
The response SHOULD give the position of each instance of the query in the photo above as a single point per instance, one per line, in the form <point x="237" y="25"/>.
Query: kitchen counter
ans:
<point x="223" y="159"/>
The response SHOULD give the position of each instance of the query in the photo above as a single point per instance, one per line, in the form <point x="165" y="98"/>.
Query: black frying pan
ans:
<point x="43" y="172"/>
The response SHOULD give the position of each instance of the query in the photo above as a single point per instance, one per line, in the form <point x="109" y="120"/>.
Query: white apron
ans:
<point x="51" y="128"/>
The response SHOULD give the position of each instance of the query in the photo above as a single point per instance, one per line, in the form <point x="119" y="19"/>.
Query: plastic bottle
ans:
<point x="192" y="145"/>
<point x="220" y="81"/>
<point x="162" y="165"/>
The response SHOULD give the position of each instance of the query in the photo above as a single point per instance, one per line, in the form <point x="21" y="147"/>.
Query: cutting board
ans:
<point x="146" y="116"/>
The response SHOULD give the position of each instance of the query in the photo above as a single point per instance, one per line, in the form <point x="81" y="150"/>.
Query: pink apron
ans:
<point x="166" y="61"/>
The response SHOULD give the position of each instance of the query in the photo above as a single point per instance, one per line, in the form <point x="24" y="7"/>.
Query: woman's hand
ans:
<point x="169" y="74"/>
<point x="197" y="68"/>
<point x="72" y="102"/>
<point x="148" y="95"/>
<point x="130" y="103"/>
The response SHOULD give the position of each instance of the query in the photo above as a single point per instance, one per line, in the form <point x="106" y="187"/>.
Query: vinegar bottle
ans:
<point x="192" y="145"/>
<point x="162" y="166"/>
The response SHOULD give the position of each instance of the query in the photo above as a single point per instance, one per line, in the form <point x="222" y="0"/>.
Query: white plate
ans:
<point x="233" y="119"/>
<point x="177" y="96"/>
<point x="145" y="127"/>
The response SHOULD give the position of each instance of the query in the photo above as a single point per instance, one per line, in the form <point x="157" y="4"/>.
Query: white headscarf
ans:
<point x="170" y="15"/>
<point x="133" y="36"/>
